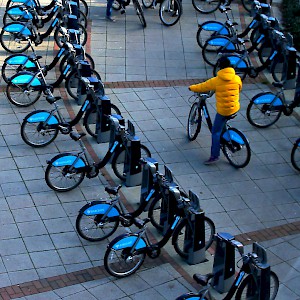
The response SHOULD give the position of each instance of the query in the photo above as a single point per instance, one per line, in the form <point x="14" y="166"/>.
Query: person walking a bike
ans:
<point x="227" y="86"/>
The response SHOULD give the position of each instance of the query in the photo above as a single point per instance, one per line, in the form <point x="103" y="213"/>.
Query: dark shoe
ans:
<point x="123" y="11"/>
<point x="108" y="18"/>
<point x="211" y="160"/>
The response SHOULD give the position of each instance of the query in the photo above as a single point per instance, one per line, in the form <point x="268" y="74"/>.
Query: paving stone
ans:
<point x="17" y="262"/>
<point x="110" y="290"/>
<point x="45" y="259"/>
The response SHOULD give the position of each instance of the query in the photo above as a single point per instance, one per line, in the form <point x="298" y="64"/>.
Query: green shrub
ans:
<point x="291" y="22"/>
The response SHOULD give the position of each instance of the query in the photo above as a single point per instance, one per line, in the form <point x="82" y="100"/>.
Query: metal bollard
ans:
<point x="224" y="263"/>
<point x="290" y="80"/>
<point x="84" y="71"/>
<point x="194" y="238"/>
<point x="102" y="121"/>
<point x="148" y="169"/>
<point x="132" y="166"/>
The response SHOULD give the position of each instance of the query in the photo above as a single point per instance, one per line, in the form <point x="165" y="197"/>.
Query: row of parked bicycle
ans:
<point x="100" y="219"/>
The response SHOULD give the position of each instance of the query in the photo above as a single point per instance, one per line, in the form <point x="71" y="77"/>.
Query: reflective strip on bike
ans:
<point x="68" y="161"/>
<point x="268" y="99"/>
<point x="66" y="69"/>
<point x="205" y="112"/>
<point x="272" y="56"/>
<point x="252" y="23"/>
<point x="175" y="222"/>
<point x="61" y="51"/>
<point x="242" y="274"/>
<point x="17" y="28"/>
<point x="55" y="8"/>
<point x="221" y="42"/>
<point x="128" y="242"/>
<point x="54" y="22"/>
<point x="87" y="102"/>
<point x="42" y="117"/>
<point x="114" y="146"/>
<point x="260" y="38"/>
<point x="101" y="209"/>
<point x="20" y="60"/>
<point x="25" y="79"/>
<point x="237" y="62"/>
<point x="215" y="27"/>
<point x="150" y="195"/>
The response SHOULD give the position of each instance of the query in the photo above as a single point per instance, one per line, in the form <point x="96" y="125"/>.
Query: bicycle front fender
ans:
<point x="29" y="3"/>
<point x="20" y="59"/>
<point x="231" y="135"/>
<point x="215" y="26"/>
<point x="16" y="11"/>
<point x="237" y="62"/>
<point x="66" y="159"/>
<point x="222" y="42"/>
<point x="127" y="240"/>
<point x="267" y="98"/>
<point x="25" y="78"/>
<point x="41" y="116"/>
<point x="99" y="208"/>
<point x="17" y="27"/>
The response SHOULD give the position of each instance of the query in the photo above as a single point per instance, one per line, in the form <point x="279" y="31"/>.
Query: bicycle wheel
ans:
<point x="206" y="6"/>
<point x="170" y="12"/>
<point x="263" y="115"/>
<point x="64" y="62"/>
<point x="247" y="289"/>
<point x="247" y="4"/>
<point x="265" y="51"/>
<point x="16" y="63"/>
<point x="239" y="64"/>
<point x="118" y="161"/>
<point x="157" y="211"/>
<point x="14" y="14"/>
<point x="60" y="179"/>
<point x="120" y="263"/>
<point x="236" y="148"/>
<point x="279" y="69"/>
<point x="84" y="7"/>
<point x="90" y="119"/>
<point x="72" y="82"/>
<point x="12" y="42"/>
<point x="215" y="47"/>
<point x="139" y="12"/>
<point x="36" y="133"/>
<point x="194" y="122"/>
<point x="210" y="28"/>
<point x="147" y="3"/>
<point x="93" y="229"/>
<point x="295" y="155"/>
<point x="274" y="285"/>
<point x="22" y="95"/>
<point x="60" y="39"/>
<point x="82" y="19"/>
<point x="179" y="235"/>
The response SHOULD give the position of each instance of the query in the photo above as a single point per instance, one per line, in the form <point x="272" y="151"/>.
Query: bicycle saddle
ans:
<point x="203" y="279"/>
<point x="113" y="189"/>
<point x="76" y="136"/>
<point x="139" y="223"/>
<point x="51" y="99"/>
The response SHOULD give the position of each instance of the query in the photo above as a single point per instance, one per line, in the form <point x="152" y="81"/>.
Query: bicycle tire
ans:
<point x="139" y="12"/>
<point x="155" y="213"/>
<point x="90" y="229"/>
<point x="241" y="69"/>
<point x="170" y="12"/>
<point x="90" y="119"/>
<point x="59" y="173"/>
<point x="8" y="69"/>
<point x="8" y="18"/>
<point x="194" y="122"/>
<point x="295" y="155"/>
<point x="179" y="234"/>
<point x="37" y="137"/>
<point x="247" y="4"/>
<point x="247" y="289"/>
<point x="237" y="150"/>
<point x="205" y="7"/>
<point x="210" y="28"/>
<point x="119" y="159"/>
<point x="215" y="47"/>
<point x="8" y="42"/>
<point x="279" y="69"/>
<point x="72" y="82"/>
<point x="262" y="115"/>
<point x="82" y="19"/>
<point x="117" y="262"/>
<point x="147" y="3"/>
<point x="60" y="39"/>
<point x="64" y="62"/>
<point x="19" y="95"/>
<point x="83" y="6"/>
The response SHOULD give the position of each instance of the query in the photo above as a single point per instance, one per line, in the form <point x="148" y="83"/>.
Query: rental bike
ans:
<point x="295" y="155"/>
<point x="170" y="11"/>
<point x="126" y="253"/>
<point x="249" y="282"/>
<point x="265" y="108"/>
<point x="119" y="4"/>
<point x="40" y="127"/>
<point x="66" y="171"/>
<point x="209" y="6"/>
<point x="234" y="143"/>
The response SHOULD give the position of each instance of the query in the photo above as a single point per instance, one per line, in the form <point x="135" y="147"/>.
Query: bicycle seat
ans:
<point x="231" y="116"/>
<point x="51" y="99"/>
<point x="76" y="136"/>
<point x="225" y="236"/>
<point x="113" y="190"/>
<point x="203" y="279"/>
<point x="139" y="223"/>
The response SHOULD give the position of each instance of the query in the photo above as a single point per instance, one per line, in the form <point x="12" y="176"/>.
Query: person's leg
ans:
<point x="109" y="8"/>
<point x="217" y="128"/>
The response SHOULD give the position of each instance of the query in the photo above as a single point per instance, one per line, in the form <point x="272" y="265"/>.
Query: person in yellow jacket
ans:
<point x="227" y="86"/>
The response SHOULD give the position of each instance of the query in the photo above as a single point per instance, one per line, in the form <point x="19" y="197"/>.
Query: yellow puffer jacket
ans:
<point x="227" y="86"/>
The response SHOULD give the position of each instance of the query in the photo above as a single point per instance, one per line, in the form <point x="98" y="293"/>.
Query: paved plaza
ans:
<point x="146" y="74"/>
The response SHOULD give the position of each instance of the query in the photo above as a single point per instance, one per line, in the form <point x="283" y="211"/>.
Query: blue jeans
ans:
<point x="109" y="7"/>
<point x="217" y="128"/>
